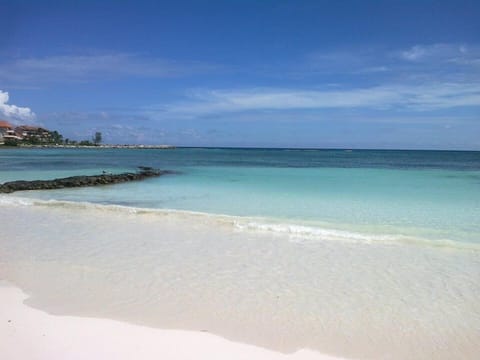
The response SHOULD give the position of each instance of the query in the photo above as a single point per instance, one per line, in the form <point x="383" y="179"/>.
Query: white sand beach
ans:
<point x="27" y="333"/>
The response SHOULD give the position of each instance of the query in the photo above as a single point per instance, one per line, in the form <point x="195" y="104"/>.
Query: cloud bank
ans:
<point x="412" y="98"/>
<point x="417" y="79"/>
<point x="12" y="111"/>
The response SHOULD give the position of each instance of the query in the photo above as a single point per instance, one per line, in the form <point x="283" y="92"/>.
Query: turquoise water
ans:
<point x="432" y="195"/>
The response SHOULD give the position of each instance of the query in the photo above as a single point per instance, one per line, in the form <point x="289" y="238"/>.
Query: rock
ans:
<point x="81" y="181"/>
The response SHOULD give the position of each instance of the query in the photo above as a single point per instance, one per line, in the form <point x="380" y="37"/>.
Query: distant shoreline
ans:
<point x="169" y="147"/>
<point x="106" y="146"/>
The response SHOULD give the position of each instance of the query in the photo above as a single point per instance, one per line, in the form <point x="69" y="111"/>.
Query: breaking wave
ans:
<point x="297" y="232"/>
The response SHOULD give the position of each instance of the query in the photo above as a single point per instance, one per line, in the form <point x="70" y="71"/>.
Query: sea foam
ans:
<point x="295" y="231"/>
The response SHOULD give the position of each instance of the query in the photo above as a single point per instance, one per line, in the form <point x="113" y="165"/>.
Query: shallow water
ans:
<point x="376" y="257"/>
<point x="181" y="270"/>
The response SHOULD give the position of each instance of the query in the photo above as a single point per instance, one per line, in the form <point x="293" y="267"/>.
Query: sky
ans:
<point x="392" y="74"/>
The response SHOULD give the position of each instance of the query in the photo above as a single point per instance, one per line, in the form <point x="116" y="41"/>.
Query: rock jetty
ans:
<point x="81" y="181"/>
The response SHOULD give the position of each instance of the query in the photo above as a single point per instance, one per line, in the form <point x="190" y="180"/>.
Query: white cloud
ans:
<point x="441" y="62"/>
<point x="12" y="111"/>
<point x="88" y="67"/>
<point x="391" y="97"/>
<point x="442" y="53"/>
<point x="415" y="53"/>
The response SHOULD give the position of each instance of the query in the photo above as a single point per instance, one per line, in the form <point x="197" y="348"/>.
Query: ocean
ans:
<point x="359" y="253"/>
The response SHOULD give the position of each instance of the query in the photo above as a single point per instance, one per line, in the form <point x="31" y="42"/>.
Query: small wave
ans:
<point x="15" y="201"/>
<point x="301" y="232"/>
<point x="295" y="232"/>
<point x="85" y="205"/>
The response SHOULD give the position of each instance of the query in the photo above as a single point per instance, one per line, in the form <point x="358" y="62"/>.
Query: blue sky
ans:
<point x="350" y="74"/>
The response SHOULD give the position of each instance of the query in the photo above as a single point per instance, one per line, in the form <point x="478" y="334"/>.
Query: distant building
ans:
<point x="33" y="133"/>
<point x="27" y="134"/>
<point x="6" y="131"/>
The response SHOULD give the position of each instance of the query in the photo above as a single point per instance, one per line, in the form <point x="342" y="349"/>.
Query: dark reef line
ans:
<point x="82" y="181"/>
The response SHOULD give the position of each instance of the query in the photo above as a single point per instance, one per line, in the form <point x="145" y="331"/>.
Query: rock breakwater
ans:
<point x="81" y="181"/>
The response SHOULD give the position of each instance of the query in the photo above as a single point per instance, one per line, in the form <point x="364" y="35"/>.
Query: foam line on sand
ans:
<point x="28" y="333"/>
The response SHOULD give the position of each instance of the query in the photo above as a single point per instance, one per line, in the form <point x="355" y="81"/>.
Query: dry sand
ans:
<point x="27" y="333"/>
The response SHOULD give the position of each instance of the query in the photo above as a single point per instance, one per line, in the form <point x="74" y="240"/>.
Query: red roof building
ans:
<point x="7" y="132"/>
<point x="5" y="125"/>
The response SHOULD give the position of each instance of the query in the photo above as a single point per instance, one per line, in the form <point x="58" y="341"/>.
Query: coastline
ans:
<point x="100" y="146"/>
<point x="30" y="333"/>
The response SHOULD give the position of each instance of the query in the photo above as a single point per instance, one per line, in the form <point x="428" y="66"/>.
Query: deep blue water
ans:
<point x="31" y="159"/>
